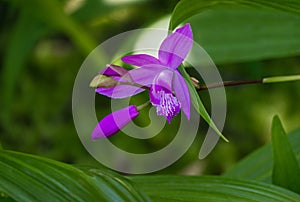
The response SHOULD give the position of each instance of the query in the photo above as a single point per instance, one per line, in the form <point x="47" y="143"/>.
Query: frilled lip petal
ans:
<point x="176" y="46"/>
<point x="140" y="60"/>
<point x="162" y="81"/>
<point x="115" y="121"/>
<point x="120" y="91"/>
<point x="182" y="93"/>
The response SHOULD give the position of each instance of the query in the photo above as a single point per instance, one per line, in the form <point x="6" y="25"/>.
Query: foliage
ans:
<point x="43" y="47"/>
<point x="50" y="180"/>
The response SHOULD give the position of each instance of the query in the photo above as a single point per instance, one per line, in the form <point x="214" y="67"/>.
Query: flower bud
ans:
<point x="113" y="70"/>
<point x="102" y="81"/>
<point x="115" y="121"/>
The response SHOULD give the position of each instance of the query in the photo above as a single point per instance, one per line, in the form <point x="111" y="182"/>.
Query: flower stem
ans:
<point x="275" y="79"/>
<point x="227" y="83"/>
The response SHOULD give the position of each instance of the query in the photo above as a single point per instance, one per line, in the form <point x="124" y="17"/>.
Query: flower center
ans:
<point x="168" y="105"/>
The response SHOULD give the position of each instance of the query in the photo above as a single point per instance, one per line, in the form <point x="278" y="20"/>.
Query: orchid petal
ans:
<point x="120" y="91"/>
<point x="182" y="93"/>
<point x="176" y="46"/>
<point x="146" y="74"/>
<point x="115" y="121"/>
<point x="140" y="60"/>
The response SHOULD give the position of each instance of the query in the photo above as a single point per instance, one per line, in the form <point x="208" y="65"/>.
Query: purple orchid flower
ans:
<point x="162" y="73"/>
<point x="168" y="91"/>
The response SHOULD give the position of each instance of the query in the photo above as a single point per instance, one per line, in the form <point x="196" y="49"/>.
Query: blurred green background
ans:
<point x="45" y="42"/>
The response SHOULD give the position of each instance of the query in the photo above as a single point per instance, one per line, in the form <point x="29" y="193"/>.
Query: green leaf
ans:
<point x="286" y="171"/>
<point x="22" y="41"/>
<point x="7" y="199"/>
<point x="187" y="8"/>
<point x="211" y="188"/>
<point x="237" y="34"/>
<point x="51" y="13"/>
<point x="34" y="22"/>
<point x="258" y="165"/>
<point x="31" y="178"/>
<point x="198" y="103"/>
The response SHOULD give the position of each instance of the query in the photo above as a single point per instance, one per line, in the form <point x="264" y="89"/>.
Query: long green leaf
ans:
<point x="187" y="8"/>
<point x="237" y="34"/>
<point x="51" y="13"/>
<point x="211" y="188"/>
<point x="25" y="35"/>
<point x="34" y="22"/>
<point x="258" y="165"/>
<point x="198" y="103"/>
<point x="31" y="178"/>
<point x="286" y="171"/>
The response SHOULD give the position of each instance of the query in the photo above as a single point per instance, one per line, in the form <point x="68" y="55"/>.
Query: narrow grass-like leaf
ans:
<point x="26" y="33"/>
<point x="258" y="165"/>
<point x="187" y="8"/>
<point x="31" y="178"/>
<point x="198" y="103"/>
<point x="211" y="188"/>
<point x="51" y="13"/>
<point x="34" y="22"/>
<point x="286" y="171"/>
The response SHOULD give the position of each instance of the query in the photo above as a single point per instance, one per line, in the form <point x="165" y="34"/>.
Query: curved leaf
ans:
<point x="33" y="23"/>
<point x="198" y="103"/>
<point x="23" y="39"/>
<point x="211" y="188"/>
<point x="237" y="34"/>
<point x="286" y="171"/>
<point x="258" y="165"/>
<point x="187" y="8"/>
<point x="31" y="178"/>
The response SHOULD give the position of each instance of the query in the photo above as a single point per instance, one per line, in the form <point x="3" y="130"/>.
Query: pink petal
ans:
<point x="115" y="121"/>
<point x="176" y="46"/>
<point x="182" y="93"/>
<point x="140" y="60"/>
<point x="145" y="75"/>
<point x="120" y="91"/>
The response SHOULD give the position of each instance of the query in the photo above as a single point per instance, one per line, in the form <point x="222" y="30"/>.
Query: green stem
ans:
<point x="278" y="79"/>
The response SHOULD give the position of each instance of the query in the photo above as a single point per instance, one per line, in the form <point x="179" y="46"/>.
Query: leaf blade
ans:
<point x="233" y="32"/>
<point x="286" y="171"/>
<point x="196" y="101"/>
<point x="187" y="8"/>
<point x="210" y="188"/>
<point x="32" y="178"/>
<point x="258" y="164"/>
